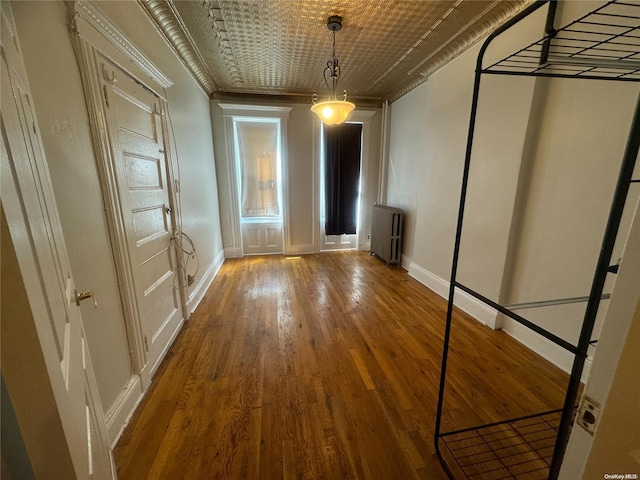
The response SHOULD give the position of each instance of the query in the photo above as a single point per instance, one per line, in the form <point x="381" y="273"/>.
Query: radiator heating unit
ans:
<point x="386" y="233"/>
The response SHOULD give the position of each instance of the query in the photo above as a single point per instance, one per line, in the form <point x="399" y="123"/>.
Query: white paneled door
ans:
<point x="134" y="116"/>
<point x="34" y="226"/>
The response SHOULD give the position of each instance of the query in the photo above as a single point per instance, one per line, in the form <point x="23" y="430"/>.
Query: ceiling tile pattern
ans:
<point x="280" y="47"/>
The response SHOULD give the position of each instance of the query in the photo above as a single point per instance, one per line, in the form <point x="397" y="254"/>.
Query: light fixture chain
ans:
<point x="334" y="47"/>
<point x="335" y="71"/>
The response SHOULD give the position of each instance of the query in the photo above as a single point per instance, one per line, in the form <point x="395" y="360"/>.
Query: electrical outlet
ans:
<point x="190" y="280"/>
<point x="588" y="414"/>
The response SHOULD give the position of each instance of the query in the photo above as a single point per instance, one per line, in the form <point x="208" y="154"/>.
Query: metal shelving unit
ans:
<point x="602" y="45"/>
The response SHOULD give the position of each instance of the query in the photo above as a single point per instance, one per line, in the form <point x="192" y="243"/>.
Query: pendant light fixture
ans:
<point x="332" y="111"/>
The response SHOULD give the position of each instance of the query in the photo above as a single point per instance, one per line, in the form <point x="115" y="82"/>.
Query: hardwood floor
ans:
<point x="323" y="367"/>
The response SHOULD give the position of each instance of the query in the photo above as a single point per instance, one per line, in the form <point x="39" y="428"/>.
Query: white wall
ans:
<point x="428" y="141"/>
<point x="580" y="137"/>
<point x="407" y="167"/>
<point x="300" y="176"/>
<point x="301" y="173"/>
<point x="545" y="158"/>
<point x="59" y="102"/>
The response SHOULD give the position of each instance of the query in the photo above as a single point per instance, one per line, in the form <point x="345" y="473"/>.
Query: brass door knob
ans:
<point x="80" y="296"/>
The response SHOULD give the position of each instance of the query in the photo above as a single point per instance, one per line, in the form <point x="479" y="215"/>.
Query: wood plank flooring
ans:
<point x="323" y="367"/>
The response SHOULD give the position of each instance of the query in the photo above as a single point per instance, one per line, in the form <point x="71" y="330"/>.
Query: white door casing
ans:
<point x="134" y="115"/>
<point x="252" y="238"/>
<point x="341" y="242"/>
<point x="103" y="52"/>
<point x="261" y="235"/>
<point x="34" y="226"/>
<point x="338" y="242"/>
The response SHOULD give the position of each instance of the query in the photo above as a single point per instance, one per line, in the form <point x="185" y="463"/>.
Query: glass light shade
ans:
<point x="333" y="112"/>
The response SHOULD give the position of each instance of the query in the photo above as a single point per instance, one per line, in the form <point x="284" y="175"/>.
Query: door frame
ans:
<point x="357" y="116"/>
<point x="229" y="113"/>
<point x="35" y="258"/>
<point x="93" y="35"/>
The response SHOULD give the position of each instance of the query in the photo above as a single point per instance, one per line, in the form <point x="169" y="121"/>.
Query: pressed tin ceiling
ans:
<point x="280" y="47"/>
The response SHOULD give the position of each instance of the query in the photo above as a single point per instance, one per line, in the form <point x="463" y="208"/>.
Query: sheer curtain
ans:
<point x="342" y="148"/>
<point x="258" y="159"/>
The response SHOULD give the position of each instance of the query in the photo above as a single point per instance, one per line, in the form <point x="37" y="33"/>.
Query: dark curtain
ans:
<point x="342" y="145"/>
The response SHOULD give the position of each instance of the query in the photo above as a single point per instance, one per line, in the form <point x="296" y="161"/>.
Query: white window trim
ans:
<point x="357" y="116"/>
<point x="231" y="111"/>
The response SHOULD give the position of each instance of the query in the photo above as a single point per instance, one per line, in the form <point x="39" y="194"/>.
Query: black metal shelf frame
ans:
<point x="602" y="45"/>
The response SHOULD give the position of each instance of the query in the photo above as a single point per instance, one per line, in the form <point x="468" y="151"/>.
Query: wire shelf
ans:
<point x="604" y="44"/>
<point x="521" y="448"/>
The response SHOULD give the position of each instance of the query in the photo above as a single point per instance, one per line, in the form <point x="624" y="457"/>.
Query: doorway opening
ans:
<point x="341" y="148"/>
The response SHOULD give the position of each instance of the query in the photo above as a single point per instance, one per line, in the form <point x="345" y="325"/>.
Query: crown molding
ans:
<point x="242" y="109"/>
<point x="167" y="20"/>
<point x="262" y="98"/>
<point x="88" y="12"/>
<point x="494" y="16"/>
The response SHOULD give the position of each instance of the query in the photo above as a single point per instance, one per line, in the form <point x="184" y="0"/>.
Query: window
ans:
<point x="258" y="166"/>
<point x="342" y="145"/>
<point x="256" y="163"/>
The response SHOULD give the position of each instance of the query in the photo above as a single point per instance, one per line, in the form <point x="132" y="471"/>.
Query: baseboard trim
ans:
<point x="232" y="252"/>
<point x="205" y="282"/>
<point x="406" y="262"/>
<point x="118" y="416"/>
<point x="166" y="348"/>
<point x="545" y="348"/>
<point x="302" y="249"/>
<point x="365" y="246"/>
<point x="478" y="310"/>
<point x="428" y="279"/>
<point x="488" y="316"/>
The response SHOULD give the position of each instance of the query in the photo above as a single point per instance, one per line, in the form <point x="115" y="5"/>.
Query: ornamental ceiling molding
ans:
<point x="216" y="21"/>
<point x="494" y="16"/>
<point x="222" y="95"/>
<point x="165" y="17"/>
<point x="80" y="10"/>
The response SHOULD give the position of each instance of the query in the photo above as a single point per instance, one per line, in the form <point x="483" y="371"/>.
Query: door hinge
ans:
<point x="146" y="343"/>
<point x="106" y="95"/>
<point x="34" y="128"/>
